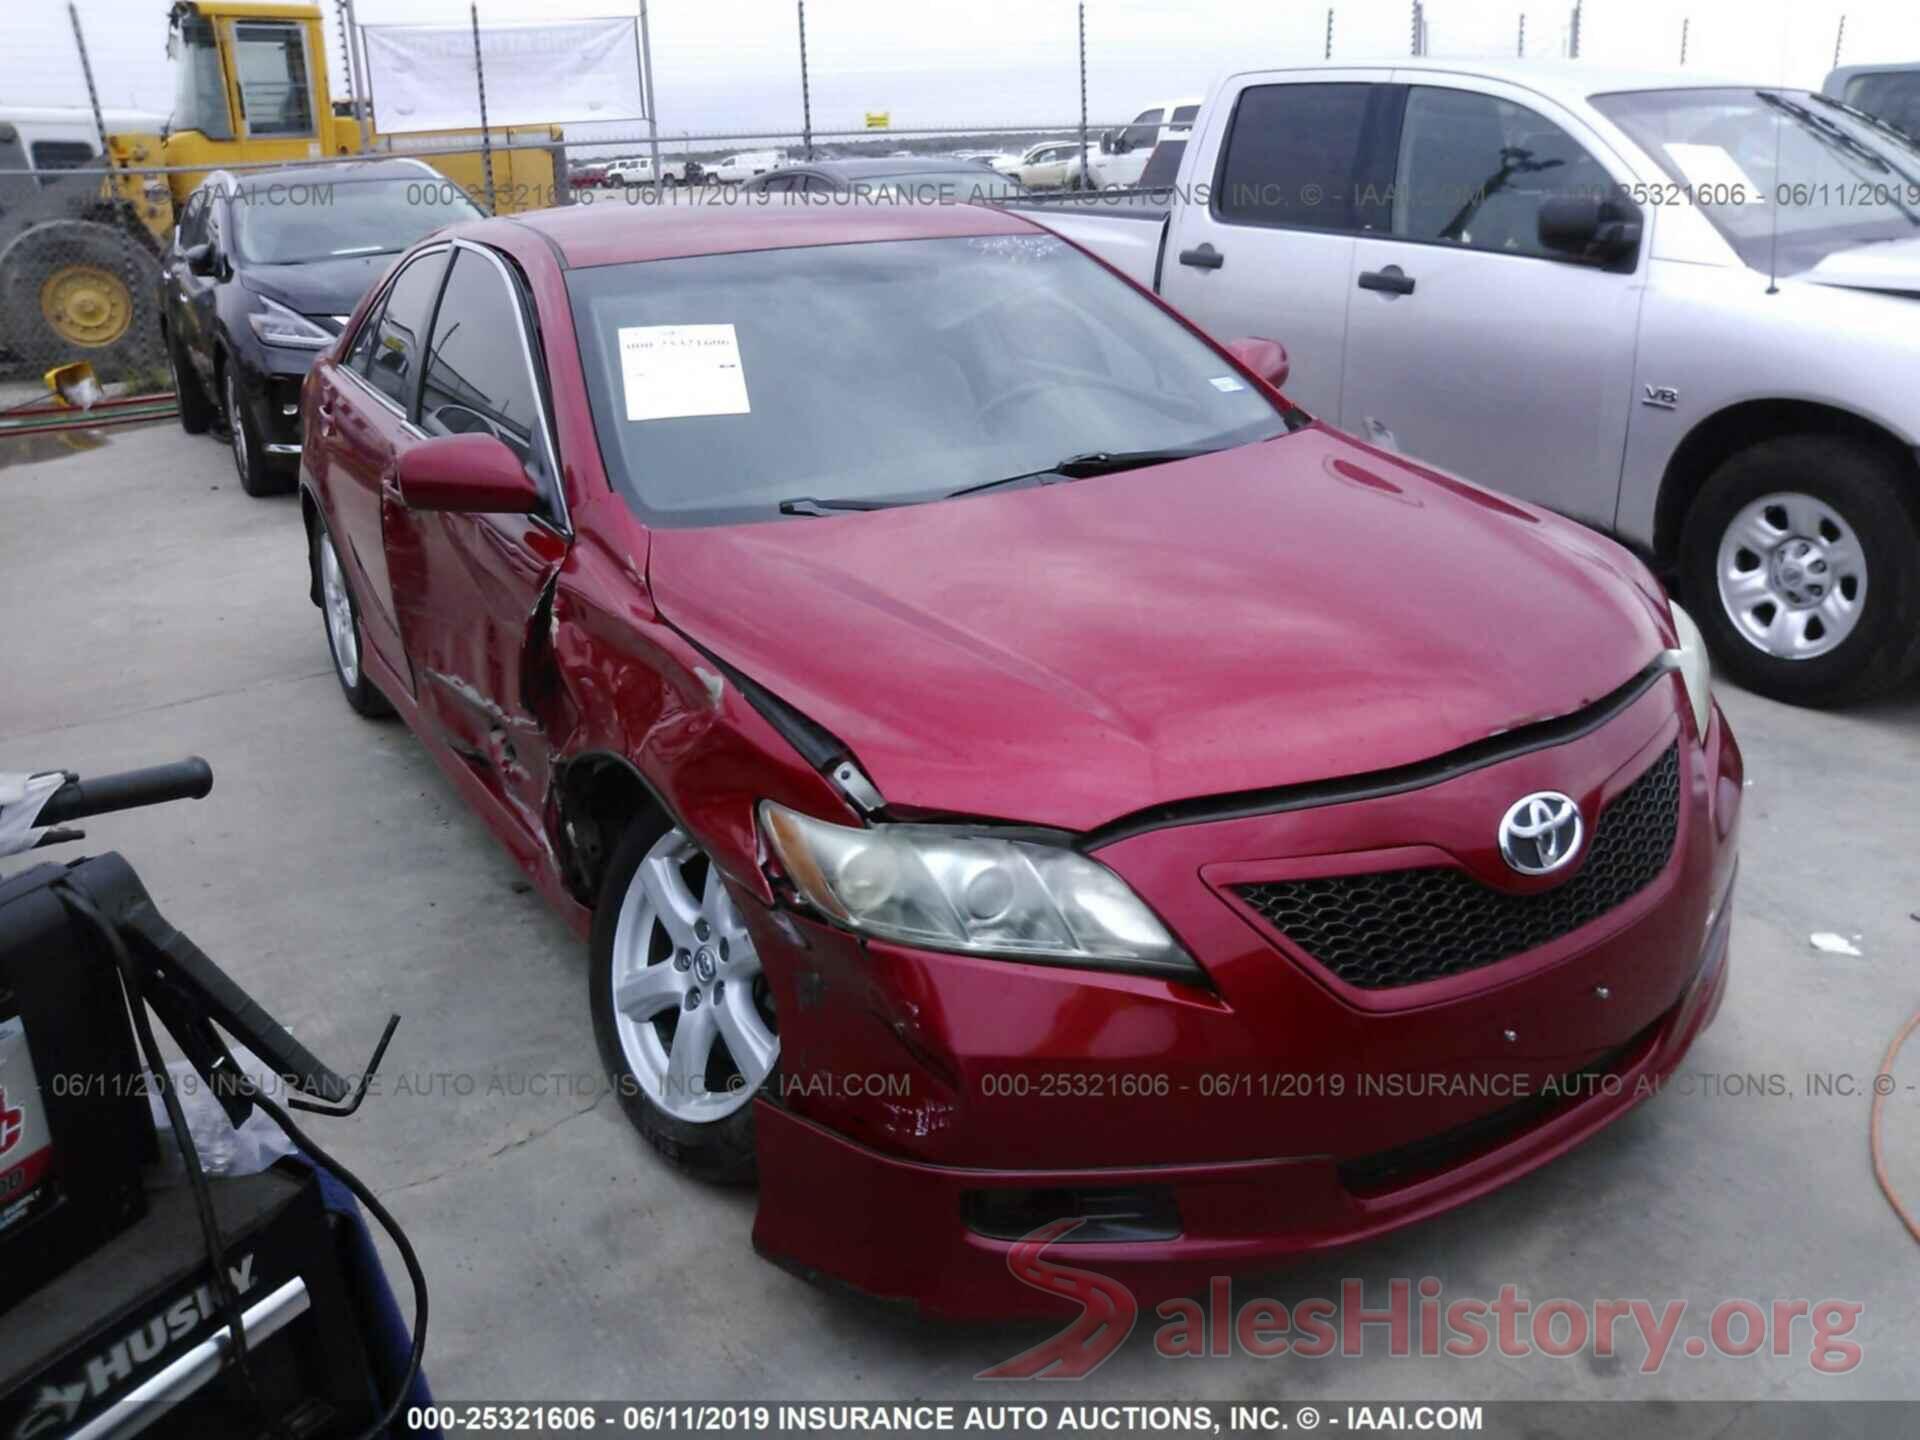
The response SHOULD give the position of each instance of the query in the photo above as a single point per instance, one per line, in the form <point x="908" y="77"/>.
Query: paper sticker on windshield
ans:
<point x="1715" y="175"/>
<point x="673" y="371"/>
<point x="1226" y="384"/>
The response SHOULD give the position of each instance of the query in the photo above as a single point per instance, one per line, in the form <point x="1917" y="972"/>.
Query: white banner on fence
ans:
<point x="422" y="76"/>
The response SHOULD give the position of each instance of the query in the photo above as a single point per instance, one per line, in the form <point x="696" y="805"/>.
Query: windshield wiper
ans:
<point x="1821" y="128"/>
<point x="1094" y="462"/>
<point x="807" y="505"/>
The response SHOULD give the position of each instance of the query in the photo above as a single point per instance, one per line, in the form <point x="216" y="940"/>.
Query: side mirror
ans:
<point x="1588" y="227"/>
<point x="1266" y="358"/>
<point x="200" y="258"/>
<point x="471" y="474"/>
<point x="1107" y="142"/>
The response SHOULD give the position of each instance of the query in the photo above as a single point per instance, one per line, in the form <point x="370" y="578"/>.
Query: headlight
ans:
<point x="948" y="889"/>
<point x="1690" y="659"/>
<point x="275" y="324"/>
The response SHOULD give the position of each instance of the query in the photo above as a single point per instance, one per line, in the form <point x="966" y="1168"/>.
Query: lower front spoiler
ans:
<point x="894" y="1229"/>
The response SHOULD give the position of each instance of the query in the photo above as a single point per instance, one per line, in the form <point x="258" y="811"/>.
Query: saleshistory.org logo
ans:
<point x="1415" y="1320"/>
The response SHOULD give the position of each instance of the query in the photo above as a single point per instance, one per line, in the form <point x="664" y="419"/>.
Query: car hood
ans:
<point x="1285" y="612"/>
<point x="1891" y="266"/>
<point x="318" y="287"/>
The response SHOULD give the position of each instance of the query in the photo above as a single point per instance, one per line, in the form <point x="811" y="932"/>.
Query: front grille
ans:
<point x="1400" y="927"/>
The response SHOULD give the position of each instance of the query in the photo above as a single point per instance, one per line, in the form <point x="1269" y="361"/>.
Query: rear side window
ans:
<point x="1184" y="114"/>
<point x="401" y="333"/>
<point x="1297" y="155"/>
<point x="477" y="380"/>
<point x="1474" y="170"/>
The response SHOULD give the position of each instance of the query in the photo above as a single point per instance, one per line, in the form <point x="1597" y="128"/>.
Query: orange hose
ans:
<point x="1873" y="1131"/>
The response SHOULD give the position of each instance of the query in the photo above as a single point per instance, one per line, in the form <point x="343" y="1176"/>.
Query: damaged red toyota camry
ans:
<point x="1011" y="766"/>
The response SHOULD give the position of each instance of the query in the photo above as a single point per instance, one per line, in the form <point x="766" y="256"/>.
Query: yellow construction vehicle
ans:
<point x="78" y="255"/>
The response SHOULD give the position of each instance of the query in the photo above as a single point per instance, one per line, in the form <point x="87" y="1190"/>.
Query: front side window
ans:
<point x="330" y="215"/>
<point x="723" y="384"/>
<point x="1474" y="170"/>
<point x="1144" y="130"/>
<point x="477" y="380"/>
<point x="192" y="229"/>
<point x="270" y="63"/>
<point x="1788" y="177"/>
<point x="199" y="89"/>
<point x="1296" y="155"/>
<point x="394" y="364"/>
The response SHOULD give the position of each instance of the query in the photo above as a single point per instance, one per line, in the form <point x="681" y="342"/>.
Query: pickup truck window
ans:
<point x="1473" y="170"/>
<point x="1294" y="158"/>
<point x="1144" y="130"/>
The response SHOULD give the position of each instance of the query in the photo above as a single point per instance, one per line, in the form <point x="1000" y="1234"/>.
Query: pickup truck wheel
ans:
<point x="681" y="1009"/>
<point x="1798" y="560"/>
<point x="190" y="397"/>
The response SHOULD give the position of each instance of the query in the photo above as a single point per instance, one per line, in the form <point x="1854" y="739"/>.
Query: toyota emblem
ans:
<point x="1541" y="833"/>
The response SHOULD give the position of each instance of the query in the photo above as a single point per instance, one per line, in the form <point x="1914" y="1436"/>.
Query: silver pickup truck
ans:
<point x="1683" y="312"/>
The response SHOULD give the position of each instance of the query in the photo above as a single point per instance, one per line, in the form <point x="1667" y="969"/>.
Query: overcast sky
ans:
<point x="734" y="64"/>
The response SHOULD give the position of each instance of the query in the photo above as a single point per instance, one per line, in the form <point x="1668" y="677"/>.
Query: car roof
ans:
<point x="397" y="167"/>
<point x="1568" y="81"/>
<point x="588" y="235"/>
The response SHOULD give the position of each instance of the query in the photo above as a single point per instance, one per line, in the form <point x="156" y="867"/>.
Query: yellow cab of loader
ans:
<point x="79" y="259"/>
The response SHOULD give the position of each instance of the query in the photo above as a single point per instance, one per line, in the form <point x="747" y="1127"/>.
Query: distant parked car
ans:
<point x="738" y="169"/>
<point x="930" y="180"/>
<point x="1886" y="92"/>
<point x="586" y="177"/>
<point x="1050" y="165"/>
<point x="1123" y="154"/>
<point x="261" y="276"/>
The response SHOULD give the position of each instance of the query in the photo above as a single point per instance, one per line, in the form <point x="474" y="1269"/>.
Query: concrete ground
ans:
<point x="153" y="611"/>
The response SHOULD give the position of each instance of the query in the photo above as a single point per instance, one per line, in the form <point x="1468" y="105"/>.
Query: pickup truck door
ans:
<point x="1288" y="169"/>
<point x="1478" y="349"/>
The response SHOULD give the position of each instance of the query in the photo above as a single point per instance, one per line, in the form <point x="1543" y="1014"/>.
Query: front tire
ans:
<point x="258" y="477"/>
<point x="1798" y="560"/>
<point x="681" y="1010"/>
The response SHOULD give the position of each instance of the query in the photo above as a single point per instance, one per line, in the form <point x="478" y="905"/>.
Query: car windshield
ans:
<point x="282" y="222"/>
<point x="885" y="371"/>
<point x="1789" y="177"/>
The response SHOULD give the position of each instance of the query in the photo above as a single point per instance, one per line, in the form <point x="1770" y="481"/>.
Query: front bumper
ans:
<point x="1246" y="1110"/>
<point x="270" y="389"/>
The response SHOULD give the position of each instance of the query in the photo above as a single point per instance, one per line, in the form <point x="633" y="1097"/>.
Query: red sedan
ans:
<point x="1011" y="766"/>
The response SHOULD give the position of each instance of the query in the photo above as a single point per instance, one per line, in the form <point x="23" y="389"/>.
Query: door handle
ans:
<point x="1391" y="280"/>
<point x="1203" y="257"/>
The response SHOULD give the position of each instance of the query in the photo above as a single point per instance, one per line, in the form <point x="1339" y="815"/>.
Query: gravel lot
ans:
<point x="154" y="611"/>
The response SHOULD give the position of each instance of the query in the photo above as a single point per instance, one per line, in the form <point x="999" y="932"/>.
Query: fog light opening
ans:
<point x="1110" y="1216"/>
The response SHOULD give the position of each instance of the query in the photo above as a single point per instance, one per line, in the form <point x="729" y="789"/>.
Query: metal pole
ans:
<point x="1838" y="36"/>
<point x="1085" y="178"/>
<point x="806" y="93"/>
<point x="480" y="81"/>
<point x="646" y="80"/>
<point x="1573" y="38"/>
<point x="1328" y="53"/>
<point x="93" y="95"/>
<point x="344" y="14"/>
<point x="1522" y="52"/>
<point x="1415" y="48"/>
<point x="1685" y="21"/>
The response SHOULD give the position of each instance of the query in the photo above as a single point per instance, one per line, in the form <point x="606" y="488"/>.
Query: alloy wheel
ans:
<point x="338" y="605"/>
<point x="691" y="1006"/>
<point x="1792" y="575"/>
